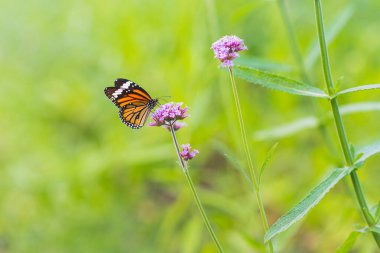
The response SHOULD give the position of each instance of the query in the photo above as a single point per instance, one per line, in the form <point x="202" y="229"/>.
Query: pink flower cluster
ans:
<point x="168" y="114"/>
<point x="186" y="154"/>
<point x="226" y="48"/>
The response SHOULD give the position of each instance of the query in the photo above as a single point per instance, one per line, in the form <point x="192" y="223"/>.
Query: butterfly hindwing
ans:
<point x="134" y="102"/>
<point x="134" y="117"/>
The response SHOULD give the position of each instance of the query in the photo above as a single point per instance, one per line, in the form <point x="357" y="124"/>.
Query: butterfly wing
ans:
<point x="125" y="92"/>
<point x="133" y="101"/>
<point x="134" y="116"/>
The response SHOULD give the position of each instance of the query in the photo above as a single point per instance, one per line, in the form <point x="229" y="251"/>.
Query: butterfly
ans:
<point x="134" y="102"/>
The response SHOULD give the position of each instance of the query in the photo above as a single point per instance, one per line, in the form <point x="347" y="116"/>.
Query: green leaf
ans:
<point x="367" y="152"/>
<point x="262" y="64"/>
<point x="377" y="212"/>
<point x="375" y="229"/>
<point x="276" y="82"/>
<point x="359" y="88"/>
<point x="331" y="33"/>
<point x="267" y="160"/>
<point x="356" y="158"/>
<point x="303" y="207"/>
<point x="349" y="242"/>
<point x="352" y="151"/>
<point x="311" y="121"/>
<point x="359" y="107"/>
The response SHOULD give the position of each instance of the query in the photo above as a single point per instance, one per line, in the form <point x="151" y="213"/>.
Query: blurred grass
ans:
<point x="74" y="179"/>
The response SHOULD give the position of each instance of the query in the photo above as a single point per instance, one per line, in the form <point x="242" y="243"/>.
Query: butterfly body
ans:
<point x="134" y="102"/>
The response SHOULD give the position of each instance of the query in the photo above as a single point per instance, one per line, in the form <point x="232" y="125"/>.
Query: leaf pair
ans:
<point x="281" y="83"/>
<point x="315" y="195"/>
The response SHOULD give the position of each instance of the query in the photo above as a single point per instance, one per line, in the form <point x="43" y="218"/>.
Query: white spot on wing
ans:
<point x="117" y="93"/>
<point x="126" y="85"/>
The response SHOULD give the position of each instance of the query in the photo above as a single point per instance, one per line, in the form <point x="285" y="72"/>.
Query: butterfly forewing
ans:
<point x="134" y="102"/>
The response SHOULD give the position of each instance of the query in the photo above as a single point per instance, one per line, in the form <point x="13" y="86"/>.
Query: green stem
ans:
<point x="194" y="192"/>
<point x="204" y="216"/>
<point x="249" y="159"/>
<point x="339" y="123"/>
<point x="183" y="164"/>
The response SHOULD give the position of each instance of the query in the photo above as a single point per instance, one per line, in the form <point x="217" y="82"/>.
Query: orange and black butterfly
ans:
<point x="134" y="102"/>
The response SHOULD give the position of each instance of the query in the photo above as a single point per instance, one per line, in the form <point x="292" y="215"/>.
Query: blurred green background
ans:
<point x="73" y="178"/>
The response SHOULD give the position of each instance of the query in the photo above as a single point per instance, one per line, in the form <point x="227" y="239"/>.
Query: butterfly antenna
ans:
<point x="163" y="98"/>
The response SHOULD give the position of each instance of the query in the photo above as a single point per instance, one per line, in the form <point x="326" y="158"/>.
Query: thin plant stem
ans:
<point x="182" y="163"/>
<point x="194" y="192"/>
<point x="248" y="157"/>
<point x="339" y="122"/>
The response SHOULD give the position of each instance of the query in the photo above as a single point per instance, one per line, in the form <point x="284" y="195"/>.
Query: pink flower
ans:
<point x="186" y="154"/>
<point x="168" y="113"/>
<point x="226" y="48"/>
